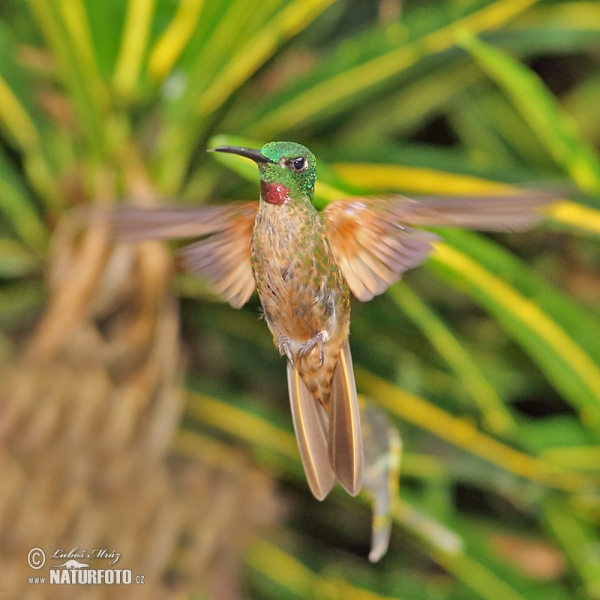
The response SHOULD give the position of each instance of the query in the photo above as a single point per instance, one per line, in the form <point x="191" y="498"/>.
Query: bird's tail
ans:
<point x="330" y="444"/>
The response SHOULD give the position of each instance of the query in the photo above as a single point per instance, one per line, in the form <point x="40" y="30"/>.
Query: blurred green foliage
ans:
<point x="488" y="358"/>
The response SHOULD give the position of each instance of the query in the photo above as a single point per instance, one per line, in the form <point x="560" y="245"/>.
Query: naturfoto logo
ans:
<point x="75" y="570"/>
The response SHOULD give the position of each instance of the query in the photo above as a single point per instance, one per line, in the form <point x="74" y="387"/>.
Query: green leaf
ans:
<point x="17" y="207"/>
<point x="495" y="414"/>
<point x="579" y="539"/>
<point x="16" y="260"/>
<point x="21" y="118"/>
<point x="562" y="339"/>
<point x="582" y="103"/>
<point x="67" y="32"/>
<point x="138" y="21"/>
<point x="358" y="73"/>
<point x="18" y="301"/>
<point x="463" y="434"/>
<point x="539" y="108"/>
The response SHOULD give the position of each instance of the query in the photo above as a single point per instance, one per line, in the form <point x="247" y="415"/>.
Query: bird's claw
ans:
<point x="315" y="341"/>
<point x="284" y="347"/>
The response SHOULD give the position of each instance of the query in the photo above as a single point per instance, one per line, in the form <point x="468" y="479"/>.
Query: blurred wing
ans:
<point x="311" y="427"/>
<point x="222" y="257"/>
<point x="136" y="224"/>
<point x="509" y="212"/>
<point x="371" y="246"/>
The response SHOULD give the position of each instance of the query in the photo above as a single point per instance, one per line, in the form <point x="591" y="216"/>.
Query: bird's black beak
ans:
<point x="256" y="155"/>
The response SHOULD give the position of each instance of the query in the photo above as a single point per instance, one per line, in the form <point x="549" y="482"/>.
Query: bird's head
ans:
<point x="287" y="170"/>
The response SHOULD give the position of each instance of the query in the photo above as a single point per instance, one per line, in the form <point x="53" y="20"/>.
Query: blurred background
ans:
<point x="141" y="416"/>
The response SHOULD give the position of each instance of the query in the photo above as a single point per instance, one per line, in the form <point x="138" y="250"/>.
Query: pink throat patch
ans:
<point x="274" y="193"/>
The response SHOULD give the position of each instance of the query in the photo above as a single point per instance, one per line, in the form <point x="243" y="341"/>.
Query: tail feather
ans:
<point x="310" y="424"/>
<point x="345" y="436"/>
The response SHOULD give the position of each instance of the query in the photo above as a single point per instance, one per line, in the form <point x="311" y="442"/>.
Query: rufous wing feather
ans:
<point x="373" y="241"/>
<point x="345" y="434"/>
<point x="372" y="248"/>
<point x="311" y="426"/>
<point x="222" y="256"/>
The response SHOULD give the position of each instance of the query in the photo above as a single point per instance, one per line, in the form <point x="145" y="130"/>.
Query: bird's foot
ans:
<point x="314" y="342"/>
<point x="284" y="347"/>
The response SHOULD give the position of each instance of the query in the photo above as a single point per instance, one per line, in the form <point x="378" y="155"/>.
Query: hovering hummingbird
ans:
<point x="305" y="264"/>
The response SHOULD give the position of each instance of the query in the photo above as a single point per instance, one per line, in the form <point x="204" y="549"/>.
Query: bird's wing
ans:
<point x="345" y="435"/>
<point x="222" y="256"/>
<point x="373" y="242"/>
<point x="311" y="425"/>
<point x="137" y="223"/>
<point x="513" y="211"/>
<point x="371" y="246"/>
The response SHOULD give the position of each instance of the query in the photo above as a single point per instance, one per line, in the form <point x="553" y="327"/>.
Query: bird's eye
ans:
<point x="297" y="164"/>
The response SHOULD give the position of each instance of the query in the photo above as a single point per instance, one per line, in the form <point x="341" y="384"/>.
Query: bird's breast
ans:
<point x="300" y="286"/>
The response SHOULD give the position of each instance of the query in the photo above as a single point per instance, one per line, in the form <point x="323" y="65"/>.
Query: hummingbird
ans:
<point x="306" y="264"/>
